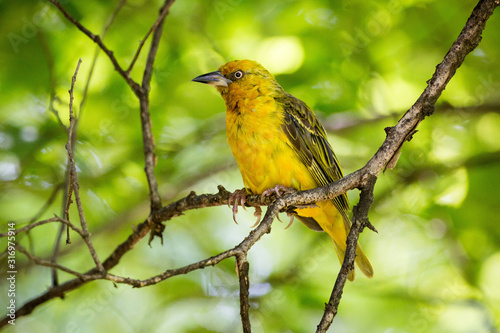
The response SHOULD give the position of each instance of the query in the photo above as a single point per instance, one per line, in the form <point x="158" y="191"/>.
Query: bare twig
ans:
<point x="104" y="30"/>
<point x="74" y="176"/>
<point x="163" y="12"/>
<point x="39" y="223"/>
<point x="140" y="232"/>
<point x="147" y="132"/>
<point x="241" y="249"/>
<point x="466" y="42"/>
<point x="68" y="183"/>
<point x="43" y="262"/>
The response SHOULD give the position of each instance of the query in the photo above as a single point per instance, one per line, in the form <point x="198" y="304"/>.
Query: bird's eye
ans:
<point x="238" y="74"/>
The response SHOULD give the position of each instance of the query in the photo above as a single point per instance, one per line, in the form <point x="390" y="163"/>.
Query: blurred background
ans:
<point x="359" y="64"/>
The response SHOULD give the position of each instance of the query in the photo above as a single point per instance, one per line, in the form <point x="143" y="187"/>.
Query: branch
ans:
<point x="241" y="249"/>
<point x="104" y="30"/>
<point x="242" y="268"/>
<point x="75" y="186"/>
<point x="140" y="232"/>
<point x="67" y="183"/>
<point x="163" y="13"/>
<point x="360" y="220"/>
<point x="466" y="42"/>
<point x="147" y="131"/>
<point x="42" y="262"/>
<point x="39" y="223"/>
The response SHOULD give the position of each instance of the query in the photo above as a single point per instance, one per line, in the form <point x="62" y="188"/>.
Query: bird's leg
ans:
<point x="278" y="189"/>
<point x="235" y="198"/>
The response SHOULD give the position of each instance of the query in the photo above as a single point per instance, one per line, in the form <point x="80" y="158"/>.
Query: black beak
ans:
<point x="215" y="79"/>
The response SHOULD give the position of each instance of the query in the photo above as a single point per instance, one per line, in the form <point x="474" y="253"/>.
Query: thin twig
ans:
<point x="74" y="175"/>
<point x="242" y="248"/>
<point x="147" y="131"/>
<point x="68" y="183"/>
<point x="104" y="30"/>
<point x="140" y="232"/>
<point x="43" y="262"/>
<point x="163" y="12"/>
<point x="70" y="187"/>
<point x="39" y="223"/>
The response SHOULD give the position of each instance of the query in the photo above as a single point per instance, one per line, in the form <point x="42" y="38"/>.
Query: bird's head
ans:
<point x="240" y="79"/>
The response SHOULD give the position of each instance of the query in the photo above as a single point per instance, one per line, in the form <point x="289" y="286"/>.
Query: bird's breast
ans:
<point x="261" y="149"/>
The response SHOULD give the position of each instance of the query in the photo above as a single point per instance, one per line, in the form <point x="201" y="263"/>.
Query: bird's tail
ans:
<point x="361" y="260"/>
<point x="331" y="221"/>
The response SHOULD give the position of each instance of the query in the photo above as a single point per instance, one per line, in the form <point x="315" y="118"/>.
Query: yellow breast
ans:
<point x="261" y="148"/>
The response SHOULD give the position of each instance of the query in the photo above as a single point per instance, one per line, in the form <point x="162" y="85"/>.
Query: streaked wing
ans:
<point x="308" y="138"/>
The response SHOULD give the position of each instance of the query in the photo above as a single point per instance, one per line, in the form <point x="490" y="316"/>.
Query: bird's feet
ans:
<point x="278" y="189"/>
<point x="238" y="197"/>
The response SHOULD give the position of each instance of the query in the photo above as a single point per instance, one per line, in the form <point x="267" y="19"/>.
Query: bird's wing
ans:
<point x="308" y="138"/>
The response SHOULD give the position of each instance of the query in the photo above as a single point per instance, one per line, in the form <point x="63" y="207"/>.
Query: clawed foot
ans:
<point x="278" y="189"/>
<point x="238" y="197"/>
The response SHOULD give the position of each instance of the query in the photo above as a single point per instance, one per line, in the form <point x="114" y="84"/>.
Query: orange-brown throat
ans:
<point x="251" y="85"/>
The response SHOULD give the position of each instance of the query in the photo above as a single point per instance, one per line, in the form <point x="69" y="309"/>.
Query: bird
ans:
<point x="280" y="145"/>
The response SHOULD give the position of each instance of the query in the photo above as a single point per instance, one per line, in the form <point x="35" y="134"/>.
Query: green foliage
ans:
<point x="437" y="254"/>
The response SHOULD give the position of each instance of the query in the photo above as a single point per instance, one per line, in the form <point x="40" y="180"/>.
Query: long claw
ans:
<point x="235" y="211"/>
<point x="258" y="214"/>
<point x="238" y="197"/>
<point x="291" y="221"/>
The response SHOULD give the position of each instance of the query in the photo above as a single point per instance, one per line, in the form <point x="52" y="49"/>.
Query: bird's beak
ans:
<point x="215" y="79"/>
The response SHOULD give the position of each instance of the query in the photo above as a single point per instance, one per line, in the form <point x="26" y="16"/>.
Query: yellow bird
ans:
<point x="279" y="144"/>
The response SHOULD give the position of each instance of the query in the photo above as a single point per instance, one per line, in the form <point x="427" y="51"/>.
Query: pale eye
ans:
<point x="238" y="74"/>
